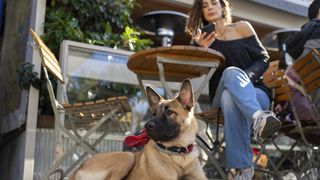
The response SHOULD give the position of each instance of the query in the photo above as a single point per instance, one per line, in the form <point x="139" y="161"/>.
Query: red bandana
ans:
<point x="138" y="140"/>
<point x="255" y="151"/>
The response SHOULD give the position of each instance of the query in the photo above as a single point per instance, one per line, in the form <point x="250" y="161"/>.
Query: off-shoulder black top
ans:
<point x="247" y="54"/>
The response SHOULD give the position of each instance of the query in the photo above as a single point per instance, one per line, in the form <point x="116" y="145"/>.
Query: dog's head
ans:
<point x="170" y="117"/>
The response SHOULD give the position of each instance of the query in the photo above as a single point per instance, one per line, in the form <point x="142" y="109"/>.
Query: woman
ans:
<point x="236" y="86"/>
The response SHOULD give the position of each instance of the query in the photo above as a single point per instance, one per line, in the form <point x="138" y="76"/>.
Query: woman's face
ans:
<point x="211" y="10"/>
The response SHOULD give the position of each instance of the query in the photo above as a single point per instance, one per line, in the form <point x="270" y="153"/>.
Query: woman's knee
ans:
<point x="231" y="72"/>
<point x="226" y="99"/>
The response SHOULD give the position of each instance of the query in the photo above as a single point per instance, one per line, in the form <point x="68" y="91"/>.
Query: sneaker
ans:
<point x="265" y="126"/>
<point x="244" y="174"/>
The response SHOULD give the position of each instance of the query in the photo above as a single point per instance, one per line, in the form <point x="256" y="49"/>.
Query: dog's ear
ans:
<point x="185" y="96"/>
<point x="153" y="97"/>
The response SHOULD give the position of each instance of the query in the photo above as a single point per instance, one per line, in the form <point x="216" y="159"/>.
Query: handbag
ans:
<point x="295" y="43"/>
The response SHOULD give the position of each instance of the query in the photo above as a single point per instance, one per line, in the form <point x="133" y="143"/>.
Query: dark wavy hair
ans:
<point x="196" y="19"/>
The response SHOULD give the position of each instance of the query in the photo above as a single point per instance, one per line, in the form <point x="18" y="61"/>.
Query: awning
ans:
<point x="297" y="7"/>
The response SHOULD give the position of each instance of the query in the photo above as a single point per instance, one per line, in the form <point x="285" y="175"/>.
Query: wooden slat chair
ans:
<point x="81" y="115"/>
<point x="308" y="69"/>
<point x="102" y="116"/>
<point x="307" y="134"/>
<point x="91" y="116"/>
<point x="281" y="92"/>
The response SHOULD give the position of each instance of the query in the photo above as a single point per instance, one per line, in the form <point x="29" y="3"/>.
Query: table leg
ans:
<point x="143" y="90"/>
<point x="163" y="80"/>
<point x="204" y="83"/>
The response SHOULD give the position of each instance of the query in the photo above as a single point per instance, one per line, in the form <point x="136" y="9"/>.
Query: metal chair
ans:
<point x="308" y="69"/>
<point x="303" y="154"/>
<point x="101" y="115"/>
<point x="308" y="133"/>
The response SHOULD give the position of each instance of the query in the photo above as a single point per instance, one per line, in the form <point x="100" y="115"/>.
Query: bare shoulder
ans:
<point x="244" y="28"/>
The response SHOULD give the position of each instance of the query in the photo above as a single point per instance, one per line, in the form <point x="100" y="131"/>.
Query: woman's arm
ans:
<point x="257" y="52"/>
<point x="204" y="40"/>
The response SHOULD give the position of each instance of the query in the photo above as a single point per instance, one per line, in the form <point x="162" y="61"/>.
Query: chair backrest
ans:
<point x="308" y="68"/>
<point x="282" y="88"/>
<point x="269" y="75"/>
<point x="82" y="115"/>
<point x="269" y="78"/>
<point x="48" y="59"/>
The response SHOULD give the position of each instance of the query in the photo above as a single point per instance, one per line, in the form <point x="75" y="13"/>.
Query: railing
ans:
<point x="45" y="149"/>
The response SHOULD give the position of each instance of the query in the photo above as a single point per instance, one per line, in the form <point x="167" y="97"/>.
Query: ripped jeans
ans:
<point x="239" y="100"/>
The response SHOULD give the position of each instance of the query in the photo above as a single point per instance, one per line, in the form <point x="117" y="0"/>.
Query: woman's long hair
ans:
<point x="196" y="19"/>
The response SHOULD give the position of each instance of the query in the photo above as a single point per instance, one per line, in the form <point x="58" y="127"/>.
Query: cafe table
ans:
<point x="174" y="64"/>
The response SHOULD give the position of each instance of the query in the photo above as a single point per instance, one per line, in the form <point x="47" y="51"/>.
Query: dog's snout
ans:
<point x="150" y="125"/>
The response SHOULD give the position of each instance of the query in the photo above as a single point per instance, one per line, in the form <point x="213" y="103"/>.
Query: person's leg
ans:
<point x="244" y="96"/>
<point x="238" y="129"/>
<point x="245" y="174"/>
<point x="263" y="99"/>
<point x="237" y="134"/>
<point x="240" y="88"/>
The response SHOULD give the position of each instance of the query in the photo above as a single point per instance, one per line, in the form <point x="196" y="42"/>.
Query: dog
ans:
<point x="170" y="154"/>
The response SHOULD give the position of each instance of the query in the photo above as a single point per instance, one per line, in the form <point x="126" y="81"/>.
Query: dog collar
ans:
<point x="176" y="149"/>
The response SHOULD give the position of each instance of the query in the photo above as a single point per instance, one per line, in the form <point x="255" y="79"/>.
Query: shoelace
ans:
<point x="257" y="128"/>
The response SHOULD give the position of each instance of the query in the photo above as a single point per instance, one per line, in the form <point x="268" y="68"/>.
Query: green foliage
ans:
<point x="99" y="22"/>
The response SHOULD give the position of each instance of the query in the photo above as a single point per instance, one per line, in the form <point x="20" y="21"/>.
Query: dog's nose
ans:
<point x="150" y="125"/>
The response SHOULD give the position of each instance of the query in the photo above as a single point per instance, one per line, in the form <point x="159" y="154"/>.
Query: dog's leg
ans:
<point x="106" y="166"/>
<point x="196" y="172"/>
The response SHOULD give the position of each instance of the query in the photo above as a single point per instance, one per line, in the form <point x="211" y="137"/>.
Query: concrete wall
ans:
<point x="13" y="100"/>
<point x="251" y="10"/>
<point x="13" y="50"/>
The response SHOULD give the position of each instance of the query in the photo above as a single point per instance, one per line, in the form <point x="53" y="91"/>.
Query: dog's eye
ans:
<point x="169" y="112"/>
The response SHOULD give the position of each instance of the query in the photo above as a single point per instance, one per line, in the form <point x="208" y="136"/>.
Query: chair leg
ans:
<point x="67" y="171"/>
<point x="79" y="142"/>
<point x="211" y="160"/>
<point x="274" y="172"/>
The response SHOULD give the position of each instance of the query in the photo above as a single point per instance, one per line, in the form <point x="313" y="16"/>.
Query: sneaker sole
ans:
<point x="272" y="126"/>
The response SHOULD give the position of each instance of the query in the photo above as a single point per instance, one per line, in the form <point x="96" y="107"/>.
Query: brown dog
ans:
<point x="169" y="155"/>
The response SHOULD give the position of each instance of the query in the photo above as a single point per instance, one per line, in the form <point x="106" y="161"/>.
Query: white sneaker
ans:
<point x="265" y="126"/>
<point x="244" y="174"/>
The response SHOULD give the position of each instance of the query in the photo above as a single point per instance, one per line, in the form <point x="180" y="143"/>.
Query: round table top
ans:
<point x="144" y="63"/>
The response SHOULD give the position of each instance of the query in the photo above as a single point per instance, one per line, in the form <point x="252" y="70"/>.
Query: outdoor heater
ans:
<point x="162" y="24"/>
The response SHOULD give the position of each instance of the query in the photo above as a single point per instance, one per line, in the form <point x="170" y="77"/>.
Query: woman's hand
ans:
<point x="204" y="40"/>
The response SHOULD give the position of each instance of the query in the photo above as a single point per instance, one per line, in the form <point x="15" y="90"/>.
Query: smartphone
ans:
<point x="209" y="28"/>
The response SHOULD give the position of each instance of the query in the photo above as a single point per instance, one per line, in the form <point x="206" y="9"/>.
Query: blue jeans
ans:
<point x="239" y="100"/>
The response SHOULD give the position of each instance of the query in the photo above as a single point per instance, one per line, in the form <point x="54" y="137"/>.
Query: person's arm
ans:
<point x="294" y="81"/>
<point x="297" y="86"/>
<point x="202" y="39"/>
<point x="258" y="53"/>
